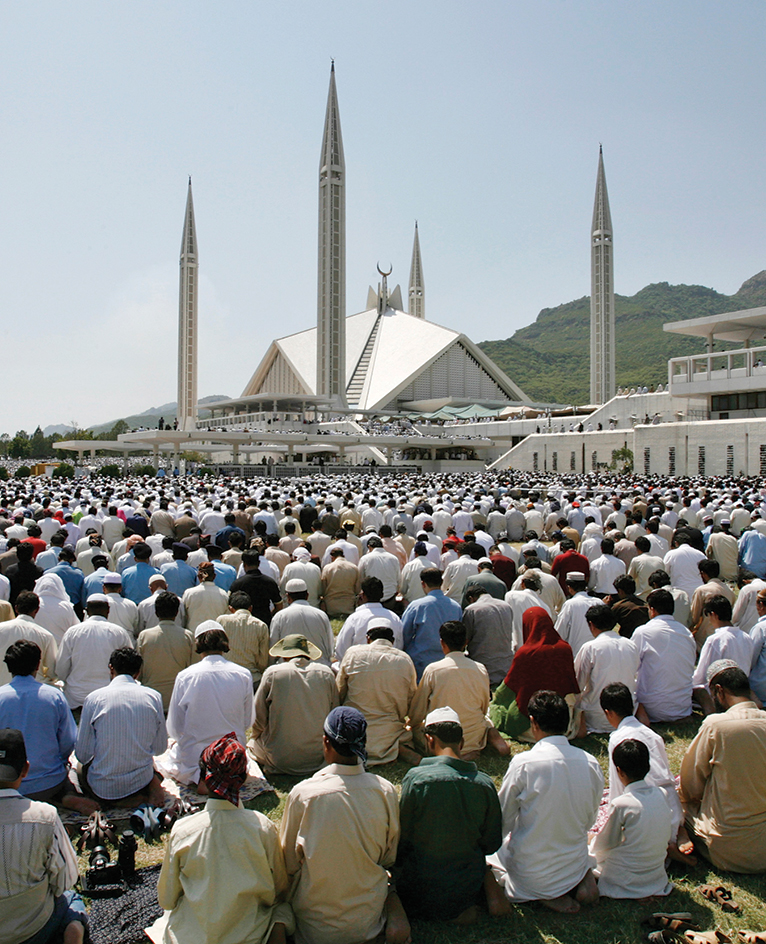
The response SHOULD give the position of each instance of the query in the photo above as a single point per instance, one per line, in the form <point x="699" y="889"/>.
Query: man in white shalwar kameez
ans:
<point x="550" y="797"/>
<point x="209" y="699"/>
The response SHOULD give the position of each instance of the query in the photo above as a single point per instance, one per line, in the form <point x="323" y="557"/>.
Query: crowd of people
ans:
<point x="183" y="628"/>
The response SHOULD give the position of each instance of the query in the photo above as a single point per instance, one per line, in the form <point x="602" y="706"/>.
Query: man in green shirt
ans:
<point x="450" y="820"/>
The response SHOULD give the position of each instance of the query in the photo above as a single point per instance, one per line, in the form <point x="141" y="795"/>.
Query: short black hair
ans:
<point x="25" y="551"/>
<point x="734" y="681"/>
<point x="452" y="633"/>
<point x="27" y="602"/>
<point x="126" y="661"/>
<point x="448" y="732"/>
<point x="214" y="640"/>
<point x="372" y="588"/>
<point x="431" y="577"/>
<point x="719" y="606"/>
<point x="659" y="579"/>
<point x="616" y="697"/>
<point x="240" y="600"/>
<point x="549" y="711"/>
<point x="167" y="605"/>
<point x="601" y="616"/>
<point x="23" y="657"/>
<point x="380" y="632"/>
<point x="642" y="543"/>
<point x="632" y="757"/>
<point x="662" y="601"/>
<point x="142" y="551"/>
<point x="709" y="567"/>
<point x="626" y="584"/>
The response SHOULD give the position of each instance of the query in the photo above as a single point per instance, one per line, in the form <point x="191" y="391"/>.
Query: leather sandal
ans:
<point x="673" y="921"/>
<point x="720" y="896"/>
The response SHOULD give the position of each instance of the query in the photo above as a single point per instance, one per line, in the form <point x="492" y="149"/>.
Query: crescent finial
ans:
<point x="381" y="272"/>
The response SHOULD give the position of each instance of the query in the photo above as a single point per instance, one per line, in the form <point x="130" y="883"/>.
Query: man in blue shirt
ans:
<point x="222" y="536"/>
<point x="752" y="552"/>
<point x="72" y="578"/>
<point x="43" y="716"/>
<point x="135" y="579"/>
<point x="225" y="574"/>
<point x="179" y="576"/>
<point x="423" y="618"/>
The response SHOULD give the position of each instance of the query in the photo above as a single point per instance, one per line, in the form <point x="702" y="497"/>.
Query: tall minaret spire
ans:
<point x="187" y="322"/>
<point x="417" y="285"/>
<point x="331" y="294"/>
<point x="602" y="343"/>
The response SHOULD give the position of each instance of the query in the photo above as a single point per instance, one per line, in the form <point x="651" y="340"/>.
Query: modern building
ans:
<point x="188" y="293"/>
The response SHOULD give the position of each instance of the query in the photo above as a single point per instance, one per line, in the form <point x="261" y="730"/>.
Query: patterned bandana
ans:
<point x="225" y="762"/>
<point x="348" y="727"/>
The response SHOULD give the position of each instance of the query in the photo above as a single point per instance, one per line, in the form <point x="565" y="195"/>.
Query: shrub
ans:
<point x="23" y="472"/>
<point x="63" y="471"/>
<point x="144" y="470"/>
<point x="112" y="471"/>
<point x="4" y="476"/>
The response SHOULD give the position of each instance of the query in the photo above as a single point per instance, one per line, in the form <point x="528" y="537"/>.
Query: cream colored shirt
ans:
<point x="166" y="649"/>
<point x="222" y="878"/>
<point x="460" y="683"/>
<point x="722" y="778"/>
<point x="340" y="586"/>
<point x="291" y="703"/>
<point x="204" y="602"/>
<point x="339" y="834"/>
<point x="380" y="681"/>
<point x="248" y="641"/>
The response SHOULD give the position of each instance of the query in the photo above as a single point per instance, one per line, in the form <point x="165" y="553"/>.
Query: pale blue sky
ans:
<point x="481" y="120"/>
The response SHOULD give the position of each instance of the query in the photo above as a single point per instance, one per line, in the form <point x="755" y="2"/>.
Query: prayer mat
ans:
<point x="122" y="920"/>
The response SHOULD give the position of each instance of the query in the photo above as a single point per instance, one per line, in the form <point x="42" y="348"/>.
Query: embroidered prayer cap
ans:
<point x="575" y="576"/>
<point x="225" y="764"/>
<point x="295" y="645"/>
<point x="720" y="665"/>
<point x="348" y="727"/>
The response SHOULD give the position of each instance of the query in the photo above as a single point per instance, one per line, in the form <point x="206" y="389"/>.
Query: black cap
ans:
<point x="13" y="754"/>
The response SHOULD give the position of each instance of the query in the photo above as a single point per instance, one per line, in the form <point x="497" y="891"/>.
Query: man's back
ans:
<point x="248" y="641"/>
<point x="459" y="683"/>
<point x="24" y="627"/>
<point x="549" y="798"/>
<point x="305" y="620"/>
<point x="291" y="703"/>
<point x="83" y="658"/>
<point x="121" y="729"/>
<point x="340" y="830"/>
<point x="379" y="681"/>
<point x="489" y="627"/>
<point x="166" y="649"/>
<point x="420" y="627"/>
<point x="667" y="654"/>
<point x="450" y="820"/>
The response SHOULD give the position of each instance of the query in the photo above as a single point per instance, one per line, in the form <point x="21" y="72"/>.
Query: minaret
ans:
<point x="602" y="344"/>
<point x="331" y="294"/>
<point x="187" y="322"/>
<point x="417" y="290"/>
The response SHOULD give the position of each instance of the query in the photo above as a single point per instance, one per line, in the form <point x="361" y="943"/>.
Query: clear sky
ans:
<point x="482" y="121"/>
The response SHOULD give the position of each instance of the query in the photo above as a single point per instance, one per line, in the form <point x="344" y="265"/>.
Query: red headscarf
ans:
<point x="545" y="661"/>
<point x="225" y="761"/>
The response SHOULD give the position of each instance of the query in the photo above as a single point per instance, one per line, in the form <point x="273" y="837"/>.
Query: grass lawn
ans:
<point x="609" y="922"/>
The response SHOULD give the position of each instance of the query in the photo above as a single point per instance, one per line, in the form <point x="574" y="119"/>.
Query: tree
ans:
<point x="23" y="472"/>
<point x="3" y="474"/>
<point x="110" y="471"/>
<point x="622" y="459"/>
<point x="39" y="445"/>
<point x="63" y="471"/>
<point x="19" y="447"/>
<point x="5" y="441"/>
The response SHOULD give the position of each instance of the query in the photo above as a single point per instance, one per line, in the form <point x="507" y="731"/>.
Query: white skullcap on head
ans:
<point x="206" y="625"/>
<point x="575" y="576"/>
<point x="296" y="585"/>
<point x="98" y="598"/>
<point x="440" y="715"/>
<point x="380" y="622"/>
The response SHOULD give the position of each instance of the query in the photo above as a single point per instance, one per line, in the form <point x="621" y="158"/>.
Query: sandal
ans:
<point x="104" y="830"/>
<point x="663" y="937"/>
<point x="675" y="921"/>
<point x="88" y="834"/>
<point x="751" y="937"/>
<point x="139" y="821"/>
<point x="707" y="937"/>
<point x="720" y="896"/>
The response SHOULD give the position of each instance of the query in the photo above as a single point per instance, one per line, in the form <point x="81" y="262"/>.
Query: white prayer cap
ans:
<point x="484" y="560"/>
<point x="380" y="622"/>
<point x="302" y="554"/>
<point x="574" y="576"/>
<point x="155" y="578"/>
<point x="112" y="580"/>
<point x="715" y="668"/>
<point x="440" y="715"/>
<point x="206" y="625"/>
<point x="296" y="585"/>
<point x="97" y="598"/>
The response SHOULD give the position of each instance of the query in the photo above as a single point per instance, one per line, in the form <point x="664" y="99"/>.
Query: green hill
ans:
<point x="550" y="358"/>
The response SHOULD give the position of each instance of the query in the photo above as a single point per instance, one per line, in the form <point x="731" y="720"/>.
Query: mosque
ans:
<point x="371" y="387"/>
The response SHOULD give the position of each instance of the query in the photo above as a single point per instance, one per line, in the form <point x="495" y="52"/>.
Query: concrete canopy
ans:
<point x="739" y="326"/>
<point x="391" y="359"/>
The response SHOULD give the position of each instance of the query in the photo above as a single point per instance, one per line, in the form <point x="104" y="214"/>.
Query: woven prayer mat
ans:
<point x="122" y="920"/>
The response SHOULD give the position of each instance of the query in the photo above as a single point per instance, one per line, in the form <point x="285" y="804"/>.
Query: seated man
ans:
<point x="165" y="647"/>
<point x="723" y="773"/>
<point x="248" y="636"/>
<point x="291" y="704"/>
<point x="460" y="683"/>
<point x="42" y="715"/>
<point x="210" y="698"/>
<point x="339" y="835"/>
<point x="122" y="728"/>
<point x="608" y="657"/>
<point x="379" y="681"/>
<point x="630" y="849"/>
<point x="230" y="850"/>
<point x="549" y="797"/>
<point x="617" y="705"/>
<point x="724" y="642"/>
<point x="450" y="821"/>
<point x="37" y="898"/>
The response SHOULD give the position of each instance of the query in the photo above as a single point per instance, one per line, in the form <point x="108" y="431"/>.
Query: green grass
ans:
<point x="609" y="922"/>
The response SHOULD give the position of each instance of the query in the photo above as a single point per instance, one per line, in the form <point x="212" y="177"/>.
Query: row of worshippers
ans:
<point x="447" y="846"/>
